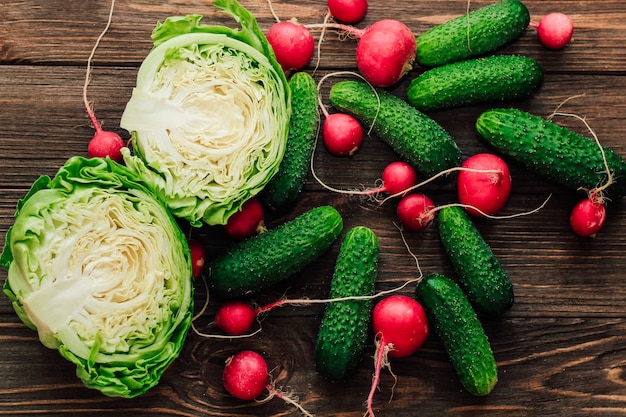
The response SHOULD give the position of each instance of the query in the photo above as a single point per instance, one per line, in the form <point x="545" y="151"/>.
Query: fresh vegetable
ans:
<point x="475" y="33"/>
<point x="588" y="216"/>
<point x="104" y="143"/>
<point x="553" y="151"/>
<point x="480" y="273"/>
<point x="247" y="222"/>
<point x="343" y="331"/>
<point x="493" y="79"/>
<point x="342" y="134"/>
<point x="198" y="256"/>
<point x="246" y="375"/>
<point x="292" y="43"/>
<point x="348" y="11"/>
<point x="454" y="320"/>
<point x="415" y="137"/>
<point x="416" y="212"/>
<point x="400" y="328"/>
<point x="398" y="176"/>
<point x="268" y="258"/>
<point x="235" y="317"/>
<point x="554" y="30"/>
<point x="110" y="288"/>
<point x="209" y="115"/>
<point x="484" y="193"/>
<point x="285" y="187"/>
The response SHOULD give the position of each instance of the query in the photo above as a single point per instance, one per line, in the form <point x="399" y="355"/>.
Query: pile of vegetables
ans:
<point x="223" y="124"/>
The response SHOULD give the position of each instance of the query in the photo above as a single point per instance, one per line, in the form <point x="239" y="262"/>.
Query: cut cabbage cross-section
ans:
<point x="208" y="116"/>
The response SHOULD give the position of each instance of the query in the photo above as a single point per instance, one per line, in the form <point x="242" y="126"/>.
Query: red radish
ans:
<point x="348" y="11"/>
<point x="400" y="326"/>
<point x="198" y="256"/>
<point x="292" y="43"/>
<point x="397" y="177"/>
<point x="248" y="221"/>
<point x="554" y="30"/>
<point x="342" y="134"/>
<point x="486" y="191"/>
<point x="104" y="143"/>
<point x="235" y="317"/>
<point x="588" y="216"/>
<point x="416" y="212"/>
<point x="385" y="50"/>
<point x="245" y="375"/>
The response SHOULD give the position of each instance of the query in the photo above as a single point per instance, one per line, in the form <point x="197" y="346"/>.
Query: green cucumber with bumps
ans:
<point x="285" y="187"/>
<point x="457" y="325"/>
<point x="263" y="260"/>
<point x="493" y="79"/>
<point x="476" y="33"/>
<point x="343" y="332"/>
<point x="481" y="275"/>
<point x="552" y="151"/>
<point x="414" y="136"/>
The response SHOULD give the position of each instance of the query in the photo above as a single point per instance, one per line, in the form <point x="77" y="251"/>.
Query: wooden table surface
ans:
<point x="561" y="349"/>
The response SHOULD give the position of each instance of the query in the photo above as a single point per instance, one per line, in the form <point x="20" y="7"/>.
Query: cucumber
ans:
<point x="476" y="33"/>
<point x="492" y="79"/>
<point x="414" y="136"/>
<point x="285" y="187"/>
<point x="344" y="328"/>
<point x="254" y="264"/>
<point x="480" y="273"/>
<point x="462" y="335"/>
<point x="552" y="151"/>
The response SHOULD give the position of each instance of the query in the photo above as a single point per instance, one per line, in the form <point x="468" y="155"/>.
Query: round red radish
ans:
<point x="397" y="177"/>
<point x="348" y="11"/>
<point x="235" y="317"/>
<point x="588" y="217"/>
<point x="106" y="144"/>
<point x="293" y="44"/>
<point x="400" y="322"/>
<point x="245" y="375"/>
<point x="416" y="212"/>
<point x="247" y="222"/>
<point x="198" y="257"/>
<point x="555" y="30"/>
<point x="385" y="52"/>
<point x="342" y="134"/>
<point x="485" y="191"/>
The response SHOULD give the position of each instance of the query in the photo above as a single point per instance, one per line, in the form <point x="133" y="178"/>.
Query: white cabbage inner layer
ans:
<point x="106" y="271"/>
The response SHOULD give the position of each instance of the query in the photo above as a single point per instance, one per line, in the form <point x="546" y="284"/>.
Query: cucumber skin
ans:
<point x="480" y="273"/>
<point x="552" y="151"/>
<point x="490" y="26"/>
<point x="343" y="332"/>
<point x="460" y="331"/>
<point x="273" y="256"/>
<point x="492" y="79"/>
<point x="414" y="136"/>
<point x="285" y="187"/>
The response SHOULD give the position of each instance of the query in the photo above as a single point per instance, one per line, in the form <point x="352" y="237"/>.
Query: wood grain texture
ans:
<point x="560" y="350"/>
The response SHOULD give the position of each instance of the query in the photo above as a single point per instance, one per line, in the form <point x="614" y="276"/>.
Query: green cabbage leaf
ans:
<point x="98" y="266"/>
<point x="208" y="116"/>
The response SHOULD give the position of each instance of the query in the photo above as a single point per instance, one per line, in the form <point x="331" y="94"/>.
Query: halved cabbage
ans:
<point x="209" y="115"/>
<point x="99" y="267"/>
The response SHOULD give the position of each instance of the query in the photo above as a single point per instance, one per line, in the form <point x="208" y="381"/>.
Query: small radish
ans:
<point x="104" y="143"/>
<point x="400" y="327"/>
<point x="486" y="191"/>
<point x="292" y="43"/>
<point x="247" y="222"/>
<point x="348" y="11"/>
<point x="397" y="177"/>
<point x="385" y="51"/>
<point x="416" y="212"/>
<point x="245" y="375"/>
<point x="342" y="134"/>
<point x="554" y="30"/>
<point x="588" y="216"/>
<point x="198" y="256"/>
<point x="236" y="317"/>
